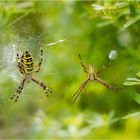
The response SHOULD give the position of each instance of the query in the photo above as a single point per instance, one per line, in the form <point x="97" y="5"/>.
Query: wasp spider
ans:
<point x="26" y="67"/>
<point x="91" y="76"/>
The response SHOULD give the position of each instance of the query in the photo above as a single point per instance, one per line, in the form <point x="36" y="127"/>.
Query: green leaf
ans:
<point x="133" y="115"/>
<point x="138" y="74"/>
<point x="132" y="9"/>
<point x="97" y="7"/>
<point x="131" y="83"/>
<point x="122" y="4"/>
<point x="133" y="79"/>
<point x="131" y="21"/>
<point x="102" y="24"/>
<point x="135" y="95"/>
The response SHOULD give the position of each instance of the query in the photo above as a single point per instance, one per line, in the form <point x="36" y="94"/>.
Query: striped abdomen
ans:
<point x="27" y="62"/>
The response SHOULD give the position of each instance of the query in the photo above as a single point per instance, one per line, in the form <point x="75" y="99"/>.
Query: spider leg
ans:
<point x="44" y="86"/>
<point x="105" y="84"/>
<point x="104" y="68"/>
<point x="19" y="65"/>
<point x="85" y="69"/>
<point x="19" y="90"/>
<point x="77" y="93"/>
<point x="37" y="67"/>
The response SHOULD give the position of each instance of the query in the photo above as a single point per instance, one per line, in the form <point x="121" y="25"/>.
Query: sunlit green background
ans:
<point x="64" y="29"/>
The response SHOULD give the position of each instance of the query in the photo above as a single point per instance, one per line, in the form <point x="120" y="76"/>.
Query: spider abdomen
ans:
<point x="27" y="62"/>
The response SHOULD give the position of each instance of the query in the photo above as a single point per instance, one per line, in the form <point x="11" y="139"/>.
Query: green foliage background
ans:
<point x="91" y="28"/>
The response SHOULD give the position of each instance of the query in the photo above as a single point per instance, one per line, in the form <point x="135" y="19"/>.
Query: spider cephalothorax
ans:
<point x="26" y="67"/>
<point x="91" y="76"/>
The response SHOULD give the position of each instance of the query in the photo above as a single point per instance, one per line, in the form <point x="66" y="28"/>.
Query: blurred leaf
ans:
<point x="131" y="21"/>
<point x="101" y="120"/>
<point x="138" y="74"/>
<point x="133" y="79"/>
<point x="102" y="24"/>
<point x="132" y="82"/>
<point x="97" y="7"/>
<point x="133" y="115"/>
<point x="121" y="4"/>
<point x="135" y="96"/>
<point x="132" y="9"/>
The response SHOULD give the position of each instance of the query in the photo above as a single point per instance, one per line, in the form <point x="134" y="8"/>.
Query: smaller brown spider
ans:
<point x="91" y="76"/>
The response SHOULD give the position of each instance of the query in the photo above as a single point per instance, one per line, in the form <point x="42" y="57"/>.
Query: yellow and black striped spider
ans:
<point x="91" y="76"/>
<point x="26" y="67"/>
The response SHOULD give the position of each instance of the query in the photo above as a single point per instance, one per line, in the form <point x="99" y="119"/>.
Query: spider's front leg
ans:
<point x="77" y="93"/>
<point x="85" y="69"/>
<point x="19" y="65"/>
<point x="44" y="86"/>
<point x="104" y="68"/>
<point x="19" y="90"/>
<point x="37" y="67"/>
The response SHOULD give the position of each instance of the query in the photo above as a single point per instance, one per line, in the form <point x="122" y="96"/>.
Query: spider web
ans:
<point x="28" y="38"/>
<point x="8" y="58"/>
<point x="8" y="61"/>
